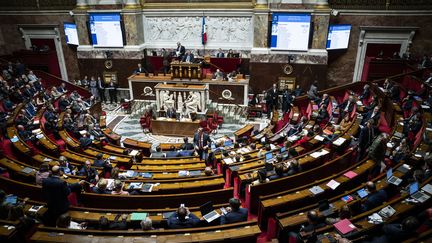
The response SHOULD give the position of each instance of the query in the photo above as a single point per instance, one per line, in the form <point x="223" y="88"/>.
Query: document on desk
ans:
<point x="316" y="190"/>
<point x="339" y="141"/>
<point x="228" y="161"/>
<point x="333" y="184"/>
<point x="319" y="138"/>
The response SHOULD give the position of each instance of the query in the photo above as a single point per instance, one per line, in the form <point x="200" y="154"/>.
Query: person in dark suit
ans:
<point x="372" y="115"/>
<point x="375" y="198"/>
<point x="234" y="213"/>
<point x="220" y="54"/>
<point x="272" y="97"/>
<point x="186" y="145"/>
<point x="398" y="232"/>
<point x="367" y="134"/>
<point x="189" y="57"/>
<point x="201" y="143"/>
<point x="140" y="69"/>
<point x="287" y="100"/>
<point x="322" y="114"/>
<point x="180" y="51"/>
<point x="90" y="173"/>
<point x="347" y="106"/>
<point x="112" y="91"/>
<point x="181" y="219"/>
<point x="85" y="141"/>
<point x="56" y="192"/>
<point x="366" y="93"/>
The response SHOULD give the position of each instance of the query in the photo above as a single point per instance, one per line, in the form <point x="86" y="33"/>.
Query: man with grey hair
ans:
<point x="146" y="224"/>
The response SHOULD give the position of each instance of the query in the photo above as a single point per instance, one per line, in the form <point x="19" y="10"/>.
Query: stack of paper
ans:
<point x="228" y="161"/>
<point x="339" y="141"/>
<point x="135" y="185"/>
<point x="350" y="174"/>
<point x="134" y="152"/>
<point x="333" y="184"/>
<point x="35" y="208"/>
<point x="183" y="173"/>
<point x="316" y="190"/>
<point x="110" y="184"/>
<point x="319" y="138"/>
<point x="319" y="153"/>
<point x="138" y="216"/>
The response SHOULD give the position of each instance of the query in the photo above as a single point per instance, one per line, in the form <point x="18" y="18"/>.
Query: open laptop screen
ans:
<point x="206" y="208"/>
<point x="268" y="156"/>
<point x="389" y="173"/>
<point x="413" y="188"/>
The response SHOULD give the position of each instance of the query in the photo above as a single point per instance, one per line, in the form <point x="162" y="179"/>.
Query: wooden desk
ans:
<point x="171" y="127"/>
<point x="112" y="136"/>
<point x="19" y="145"/>
<point x="184" y="70"/>
<point x="134" y="144"/>
<point x="244" y="131"/>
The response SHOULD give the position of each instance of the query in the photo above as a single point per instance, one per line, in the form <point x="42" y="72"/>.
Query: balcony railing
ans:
<point x="17" y="5"/>
<point x="382" y="4"/>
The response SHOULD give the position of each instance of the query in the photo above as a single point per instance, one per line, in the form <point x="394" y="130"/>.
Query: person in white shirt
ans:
<point x="31" y="76"/>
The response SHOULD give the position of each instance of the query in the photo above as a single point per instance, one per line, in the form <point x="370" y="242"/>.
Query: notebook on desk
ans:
<point x="344" y="226"/>
<point x="362" y="193"/>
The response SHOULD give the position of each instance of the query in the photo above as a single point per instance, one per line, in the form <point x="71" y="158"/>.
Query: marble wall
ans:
<point x="341" y="63"/>
<point x="261" y="29"/>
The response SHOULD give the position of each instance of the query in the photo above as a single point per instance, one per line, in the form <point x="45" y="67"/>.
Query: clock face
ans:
<point x="108" y="64"/>
<point x="288" y="69"/>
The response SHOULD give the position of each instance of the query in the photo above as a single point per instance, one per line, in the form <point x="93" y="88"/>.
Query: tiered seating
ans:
<point x="278" y="206"/>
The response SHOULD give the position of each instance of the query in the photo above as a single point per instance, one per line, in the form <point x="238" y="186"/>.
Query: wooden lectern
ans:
<point x="183" y="70"/>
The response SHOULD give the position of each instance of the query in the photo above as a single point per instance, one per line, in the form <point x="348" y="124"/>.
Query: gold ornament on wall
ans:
<point x="108" y="64"/>
<point x="288" y="69"/>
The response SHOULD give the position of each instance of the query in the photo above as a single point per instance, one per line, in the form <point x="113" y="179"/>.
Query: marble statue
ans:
<point x="192" y="102"/>
<point x="167" y="100"/>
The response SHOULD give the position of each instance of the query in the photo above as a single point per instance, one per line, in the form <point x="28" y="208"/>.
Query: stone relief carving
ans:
<point x="188" y="29"/>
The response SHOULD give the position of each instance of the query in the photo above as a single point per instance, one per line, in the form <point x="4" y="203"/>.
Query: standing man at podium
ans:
<point x="181" y="50"/>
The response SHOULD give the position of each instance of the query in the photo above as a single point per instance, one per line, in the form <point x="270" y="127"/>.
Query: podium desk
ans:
<point x="172" y="127"/>
<point x="185" y="70"/>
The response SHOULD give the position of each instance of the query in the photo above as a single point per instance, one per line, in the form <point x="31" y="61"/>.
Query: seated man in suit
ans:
<point x="85" y="141"/>
<point x="180" y="51"/>
<point x="372" y="114"/>
<point x="220" y="53"/>
<point x="158" y="153"/>
<point x="181" y="219"/>
<point x="234" y="213"/>
<point x="375" y="198"/>
<point x="140" y="69"/>
<point x="186" y="145"/>
<point x="347" y="106"/>
<point x="189" y="57"/>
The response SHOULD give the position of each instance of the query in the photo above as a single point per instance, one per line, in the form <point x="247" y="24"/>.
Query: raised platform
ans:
<point x="172" y="127"/>
<point x="224" y="92"/>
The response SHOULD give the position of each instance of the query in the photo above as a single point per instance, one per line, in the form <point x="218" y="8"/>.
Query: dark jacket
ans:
<point x="175" y="223"/>
<point x="56" y="192"/>
<point x="375" y="199"/>
<point x="235" y="216"/>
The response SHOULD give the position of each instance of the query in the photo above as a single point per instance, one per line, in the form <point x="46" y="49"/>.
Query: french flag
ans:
<point x="204" y="31"/>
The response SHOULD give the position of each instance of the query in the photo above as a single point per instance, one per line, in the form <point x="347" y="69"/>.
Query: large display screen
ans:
<point x="290" y="31"/>
<point x="338" y="36"/>
<point x="71" y="33"/>
<point x="105" y="30"/>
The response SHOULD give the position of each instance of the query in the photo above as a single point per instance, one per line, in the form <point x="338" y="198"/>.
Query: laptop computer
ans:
<point x="269" y="157"/>
<point x="11" y="199"/>
<point x="208" y="212"/>
<point x="228" y="143"/>
<point x="282" y="150"/>
<point x="416" y="194"/>
<point x="393" y="179"/>
<point x="362" y="193"/>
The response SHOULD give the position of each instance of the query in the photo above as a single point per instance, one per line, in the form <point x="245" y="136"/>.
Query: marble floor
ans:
<point x="129" y="127"/>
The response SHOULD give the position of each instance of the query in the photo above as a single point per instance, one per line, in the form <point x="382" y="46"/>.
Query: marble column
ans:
<point x="318" y="3"/>
<point x="82" y="28"/>
<point x="260" y="20"/>
<point x="321" y="25"/>
<point x="81" y="4"/>
<point x="134" y="30"/>
<point x="132" y="4"/>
